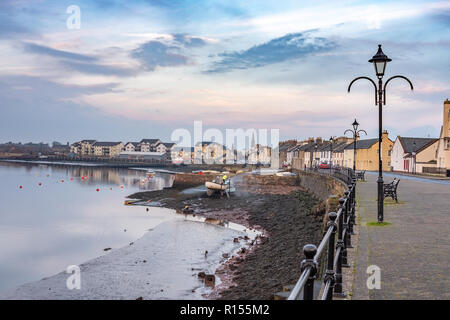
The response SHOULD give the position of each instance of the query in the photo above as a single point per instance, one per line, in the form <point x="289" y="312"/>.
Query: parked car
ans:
<point x="324" y="165"/>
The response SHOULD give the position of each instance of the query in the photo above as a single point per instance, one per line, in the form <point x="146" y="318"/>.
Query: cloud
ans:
<point x="100" y="69"/>
<point x="288" y="47"/>
<point x="79" y="62"/>
<point x="154" y="54"/>
<point x="189" y="41"/>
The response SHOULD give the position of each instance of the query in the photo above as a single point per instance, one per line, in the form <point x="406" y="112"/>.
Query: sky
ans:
<point x="141" y="69"/>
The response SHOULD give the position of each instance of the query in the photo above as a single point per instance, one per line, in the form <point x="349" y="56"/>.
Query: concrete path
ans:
<point x="413" y="253"/>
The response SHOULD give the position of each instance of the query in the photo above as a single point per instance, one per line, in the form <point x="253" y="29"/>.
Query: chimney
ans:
<point x="384" y="135"/>
<point x="446" y="119"/>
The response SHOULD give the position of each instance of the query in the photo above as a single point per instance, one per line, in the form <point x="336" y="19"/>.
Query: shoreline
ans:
<point x="288" y="216"/>
<point x="101" y="270"/>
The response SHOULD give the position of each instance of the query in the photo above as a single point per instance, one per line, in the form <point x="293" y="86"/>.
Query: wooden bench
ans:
<point x="360" y="175"/>
<point x="390" y="189"/>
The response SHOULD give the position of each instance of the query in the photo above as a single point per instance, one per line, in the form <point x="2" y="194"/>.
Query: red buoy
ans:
<point x="62" y="180"/>
<point x="20" y="187"/>
<point x="98" y="190"/>
<point x="40" y="183"/>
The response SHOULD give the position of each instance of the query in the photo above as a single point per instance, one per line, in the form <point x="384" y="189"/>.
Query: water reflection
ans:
<point x="58" y="217"/>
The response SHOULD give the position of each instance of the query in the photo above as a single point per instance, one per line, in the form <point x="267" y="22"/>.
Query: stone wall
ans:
<point x="187" y="180"/>
<point x="271" y="180"/>
<point x="321" y="185"/>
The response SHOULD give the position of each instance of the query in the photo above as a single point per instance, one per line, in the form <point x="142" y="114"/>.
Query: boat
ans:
<point x="215" y="186"/>
<point x="219" y="186"/>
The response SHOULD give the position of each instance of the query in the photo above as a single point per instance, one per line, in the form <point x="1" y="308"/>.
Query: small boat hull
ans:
<point x="215" y="186"/>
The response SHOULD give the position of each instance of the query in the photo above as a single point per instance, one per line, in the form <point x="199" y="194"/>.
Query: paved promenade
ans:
<point x="413" y="252"/>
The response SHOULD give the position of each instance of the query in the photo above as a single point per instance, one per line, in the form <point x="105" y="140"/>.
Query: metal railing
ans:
<point x="337" y="239"/>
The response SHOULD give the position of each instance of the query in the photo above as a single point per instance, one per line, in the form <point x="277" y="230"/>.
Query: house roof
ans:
<point x="168" y="144"/>
<point x="89" y="141"/>
<point x="133" y="143"/>
<point x="363" y="144"/>
<point x="310" y="147"/>
<point x="415" y="144"/>
<point x="106" y="144"/>
<point x="294" y="148"/>
<point x="285" y="147"/>
<point x="150" y="141"/>
<point x="325" y="146"/>
<point x="340" y="147"/>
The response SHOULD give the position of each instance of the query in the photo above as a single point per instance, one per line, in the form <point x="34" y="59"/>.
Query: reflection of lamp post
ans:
<point x="355" y="132"/>
<point x="379" y="61"/>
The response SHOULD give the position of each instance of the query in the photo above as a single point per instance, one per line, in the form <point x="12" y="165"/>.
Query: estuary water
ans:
<point x="54" y="216"/>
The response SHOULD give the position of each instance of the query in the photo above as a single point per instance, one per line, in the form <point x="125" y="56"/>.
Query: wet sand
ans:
<point x="288" y="218"/>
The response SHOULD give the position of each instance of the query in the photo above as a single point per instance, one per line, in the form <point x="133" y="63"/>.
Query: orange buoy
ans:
<point x="71" y="179"/>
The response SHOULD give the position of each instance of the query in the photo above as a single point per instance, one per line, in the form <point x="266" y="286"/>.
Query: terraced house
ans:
<point x="148" y="145"/>
<point x="89" y="148"/>
<point x="367" y="153"/>
<point x="414" y="155"/>
<point x="107" y="149"/>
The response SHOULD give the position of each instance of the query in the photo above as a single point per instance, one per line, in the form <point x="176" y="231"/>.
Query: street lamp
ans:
<point x="315" y="154"/>
<point x="331" y="151"/>
<point x="355" y="132"/>
<point x="380" y="61"/>
<point x="414" y="157"/>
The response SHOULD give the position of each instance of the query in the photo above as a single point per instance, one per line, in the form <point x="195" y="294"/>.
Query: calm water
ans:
<point x="59" y="218"/>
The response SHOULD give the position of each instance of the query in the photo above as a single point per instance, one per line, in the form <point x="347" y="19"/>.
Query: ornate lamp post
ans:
<point x="331" y="152"/>
<point x="355" y="132"/>
<point x="379" y="61"/>
<point x="315" y="154"/>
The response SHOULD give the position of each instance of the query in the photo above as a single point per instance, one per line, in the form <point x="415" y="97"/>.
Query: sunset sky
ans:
<point x="140" y="69"/>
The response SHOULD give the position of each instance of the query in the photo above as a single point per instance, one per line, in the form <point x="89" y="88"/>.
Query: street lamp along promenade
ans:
<point x="355" y="133"/>
<point x="380" y="61"/>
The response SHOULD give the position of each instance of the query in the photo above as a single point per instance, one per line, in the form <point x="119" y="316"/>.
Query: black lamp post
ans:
<point x="379" y="61"/>
<point x="331" y="151"/>
<point x="315" y="154"/>
<point x="413" y="153"/>
<point x="355" y="132"/>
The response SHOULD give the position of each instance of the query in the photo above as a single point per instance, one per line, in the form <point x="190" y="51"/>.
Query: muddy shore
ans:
<point x="288" y="216"/>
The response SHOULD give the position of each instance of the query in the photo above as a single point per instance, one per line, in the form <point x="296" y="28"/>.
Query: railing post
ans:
<point x="310" y="251"/>
<point x="338" y="292"/>
<point x="344" y="237"/>
<point x="348" y="222"/>
<point x="354" y="205"/>
<point x="329" y="274"/>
